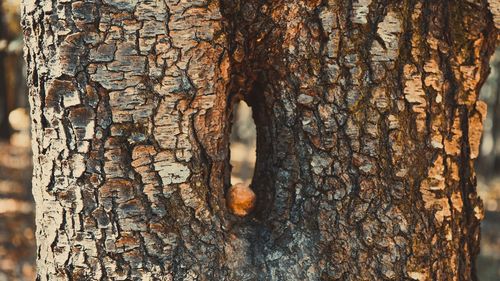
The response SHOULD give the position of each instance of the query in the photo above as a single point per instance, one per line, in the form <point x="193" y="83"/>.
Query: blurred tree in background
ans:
<point x="17" y="241"/>
<point x="12" y="73"/>
<point x="489" y="160"/>
<point x="4" y="131"/>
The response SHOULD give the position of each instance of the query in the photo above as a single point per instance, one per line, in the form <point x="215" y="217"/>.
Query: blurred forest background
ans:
<point x="17" y="236"/>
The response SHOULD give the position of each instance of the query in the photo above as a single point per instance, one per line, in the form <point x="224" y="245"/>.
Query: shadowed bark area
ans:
<point x="367" y="127"/>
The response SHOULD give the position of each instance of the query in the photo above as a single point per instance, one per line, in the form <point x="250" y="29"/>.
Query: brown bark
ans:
<point x="367" y="120"/>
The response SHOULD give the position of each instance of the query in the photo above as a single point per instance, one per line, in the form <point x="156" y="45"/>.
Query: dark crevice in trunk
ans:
<point x="264" y="174"/>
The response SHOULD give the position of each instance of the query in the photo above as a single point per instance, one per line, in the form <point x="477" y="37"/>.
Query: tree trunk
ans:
<point x="367" y="127"/>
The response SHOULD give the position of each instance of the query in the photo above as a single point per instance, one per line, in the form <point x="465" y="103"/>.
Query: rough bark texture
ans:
<point x="367" y="119"/>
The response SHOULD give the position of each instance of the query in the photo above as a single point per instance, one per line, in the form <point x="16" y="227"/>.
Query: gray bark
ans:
<point x="367" y="127"/>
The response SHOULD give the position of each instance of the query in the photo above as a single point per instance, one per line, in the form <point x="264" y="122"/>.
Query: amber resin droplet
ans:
<point x="240" y="199"/>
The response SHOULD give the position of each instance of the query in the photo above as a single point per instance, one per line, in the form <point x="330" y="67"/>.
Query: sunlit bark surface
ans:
<point x="367" y="127"/>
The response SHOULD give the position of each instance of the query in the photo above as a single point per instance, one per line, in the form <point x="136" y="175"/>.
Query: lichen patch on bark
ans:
<point x="415" y="95"/>
<point x="389" y="31"/>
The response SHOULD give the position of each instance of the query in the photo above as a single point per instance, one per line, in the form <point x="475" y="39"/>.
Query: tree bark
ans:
<point x="367" y="127"/>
